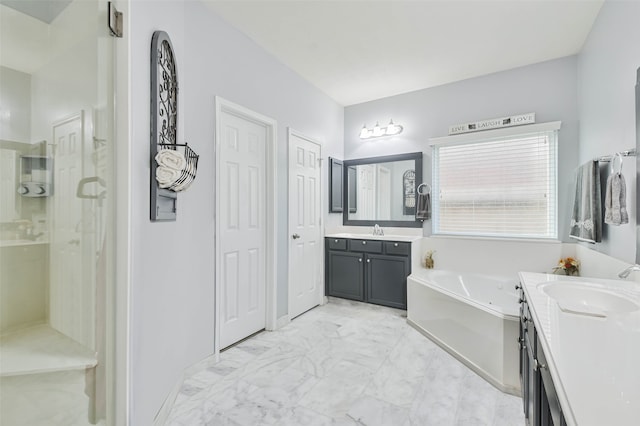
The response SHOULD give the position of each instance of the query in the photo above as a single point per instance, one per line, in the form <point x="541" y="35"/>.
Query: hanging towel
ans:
<point x="615" y="201"/>
<point x="423" y="206"/>
<point x="586" y="220"/>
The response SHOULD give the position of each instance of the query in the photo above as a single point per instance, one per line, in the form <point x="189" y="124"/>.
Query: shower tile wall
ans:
<point x="24" y="280"/>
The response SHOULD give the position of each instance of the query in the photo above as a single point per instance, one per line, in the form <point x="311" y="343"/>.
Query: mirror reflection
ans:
<point x="382" y="190"/>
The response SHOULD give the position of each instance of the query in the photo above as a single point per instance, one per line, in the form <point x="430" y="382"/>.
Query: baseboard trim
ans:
<point x="163" y="414"/>
<point x="282" y="321"/>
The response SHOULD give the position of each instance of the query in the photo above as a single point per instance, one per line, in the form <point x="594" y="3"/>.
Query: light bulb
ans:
<point x="364" y="133"/>
<point x="393" y="129"/>
<point x="377" y="130"/>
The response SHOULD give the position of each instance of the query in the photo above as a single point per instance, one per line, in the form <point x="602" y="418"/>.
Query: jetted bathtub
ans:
<point x="472" y="316"/>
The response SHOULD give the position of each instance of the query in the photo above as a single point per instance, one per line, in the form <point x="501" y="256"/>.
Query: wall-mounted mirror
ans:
<point x="638" y="166"/>
<point x="382" y="190"/>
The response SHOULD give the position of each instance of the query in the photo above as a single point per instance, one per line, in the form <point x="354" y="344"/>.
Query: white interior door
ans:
<point x="366" y="192"/>
<point x="305" y="227"/>
<point x="72" y="287"/>
<point x="384" y="194"/>
<point x="242" y="223"/>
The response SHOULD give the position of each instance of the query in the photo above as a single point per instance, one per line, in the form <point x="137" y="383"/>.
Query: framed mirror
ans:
<point x="638" y="166"/>
<point x="382" y="190"/>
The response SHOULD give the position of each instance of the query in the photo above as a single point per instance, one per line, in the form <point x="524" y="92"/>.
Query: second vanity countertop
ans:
<point x="594" y="360"/>
<point x="390" y="237"/>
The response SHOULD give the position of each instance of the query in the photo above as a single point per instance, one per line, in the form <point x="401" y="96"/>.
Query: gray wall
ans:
<point x="172" y="277"/>
<point x="607" y="68"/>
<point x="548" y="89"/>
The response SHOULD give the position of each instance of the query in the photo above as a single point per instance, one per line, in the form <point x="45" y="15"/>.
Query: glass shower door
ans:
<point x="56" y="189"/>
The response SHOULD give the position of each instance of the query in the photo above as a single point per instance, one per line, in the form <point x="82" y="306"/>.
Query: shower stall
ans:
<point x="56" y="213"/>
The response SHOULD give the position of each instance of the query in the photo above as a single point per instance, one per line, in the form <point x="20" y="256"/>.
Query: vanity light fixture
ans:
<point x="378" y="132"/>
<point x="365" y="133"/>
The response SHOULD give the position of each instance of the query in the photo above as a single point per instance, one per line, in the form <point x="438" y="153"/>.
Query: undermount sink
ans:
<point x="588" y="298"/>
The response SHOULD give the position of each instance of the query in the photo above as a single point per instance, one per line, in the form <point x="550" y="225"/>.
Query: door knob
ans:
<point x="295" y="236"/>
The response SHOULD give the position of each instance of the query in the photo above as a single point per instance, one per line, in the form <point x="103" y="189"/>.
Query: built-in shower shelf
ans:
<point x="41" y="349"/>
<point x="20" y="243"/>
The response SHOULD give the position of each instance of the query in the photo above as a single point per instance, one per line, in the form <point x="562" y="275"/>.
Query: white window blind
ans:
<point x="499" y="187"/>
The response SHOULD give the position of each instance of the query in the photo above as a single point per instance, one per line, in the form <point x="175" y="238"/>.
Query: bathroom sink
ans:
<point x="587" y="298"/>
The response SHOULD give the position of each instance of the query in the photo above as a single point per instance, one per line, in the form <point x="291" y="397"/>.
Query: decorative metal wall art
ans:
<point x="173" y="165"/>
<point x="409" y="193"/>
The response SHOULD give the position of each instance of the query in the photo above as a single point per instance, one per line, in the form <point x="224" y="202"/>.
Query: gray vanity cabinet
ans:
<point x="539" y="397"/>
<point x="368" y="270"/>
<point x="345" y="275"/>
<point x="386" y="282"/>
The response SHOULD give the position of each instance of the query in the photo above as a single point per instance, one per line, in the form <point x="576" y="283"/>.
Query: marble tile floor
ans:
<point x="344" y="363"/>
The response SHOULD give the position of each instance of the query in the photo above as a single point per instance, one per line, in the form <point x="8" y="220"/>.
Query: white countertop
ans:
<point x="594" y="361"/>
<point x="390" y="237"/>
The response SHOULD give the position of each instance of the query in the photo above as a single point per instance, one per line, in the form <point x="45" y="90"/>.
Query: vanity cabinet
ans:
<point x="539" y="397"/>
<point x="344" y="275"/>
<point x="368" y="270"/>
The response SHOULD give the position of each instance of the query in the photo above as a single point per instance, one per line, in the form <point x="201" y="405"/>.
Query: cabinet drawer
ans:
<point x="337" y="243"/>
<point x="391" y="247"/>
<point x="365" y="246"/>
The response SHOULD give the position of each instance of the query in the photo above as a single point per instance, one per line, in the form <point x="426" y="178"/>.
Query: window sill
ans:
<point x="513" y="239"/>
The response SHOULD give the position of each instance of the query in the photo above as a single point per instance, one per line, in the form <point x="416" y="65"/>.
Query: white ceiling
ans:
<point x="360" y="50"/>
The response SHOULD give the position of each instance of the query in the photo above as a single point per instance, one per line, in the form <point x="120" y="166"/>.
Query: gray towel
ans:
<point x="423" y="206"/>
<point x="615" y="200"/>
<point x="586" y="220"/>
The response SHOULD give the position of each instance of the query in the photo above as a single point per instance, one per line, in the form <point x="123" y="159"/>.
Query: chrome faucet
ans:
<point x="377" y="230"/>
<point x="626" y="272"/>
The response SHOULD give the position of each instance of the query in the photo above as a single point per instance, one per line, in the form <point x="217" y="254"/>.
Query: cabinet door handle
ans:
<point x="296" y="236"/>
<point x="395" y="244"/>
<point x="336" y="241"/>
<point x="368" y="260"/>
<point x="364" y="243"/>
<point x="360" y="259"/>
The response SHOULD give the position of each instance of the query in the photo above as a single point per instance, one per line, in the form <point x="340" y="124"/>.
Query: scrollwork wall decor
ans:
<point x="409" y="193"/>
<point x="173" y="165"/>
<point x="167" y="89"/>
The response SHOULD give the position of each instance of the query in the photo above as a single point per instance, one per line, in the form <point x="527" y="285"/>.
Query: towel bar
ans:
<point x="606" y="158"/>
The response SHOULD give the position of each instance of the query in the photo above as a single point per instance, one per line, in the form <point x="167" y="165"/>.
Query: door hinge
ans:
<point x="115" y="21"/>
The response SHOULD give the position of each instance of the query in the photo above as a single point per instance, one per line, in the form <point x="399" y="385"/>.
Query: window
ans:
<point x="501" y="183"/>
